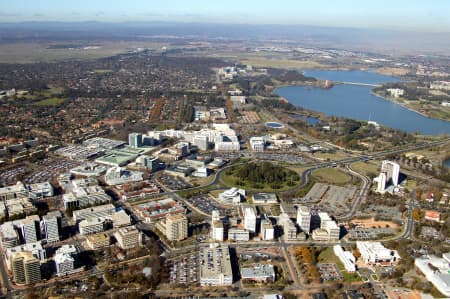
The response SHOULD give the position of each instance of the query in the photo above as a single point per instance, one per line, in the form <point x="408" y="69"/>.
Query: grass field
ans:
<point x="328" y="256"/>
<point x="50" y="102"/>
<point x="282" y="63"/>
<point x="366" y="168"/>
<point x="331" y="176"/>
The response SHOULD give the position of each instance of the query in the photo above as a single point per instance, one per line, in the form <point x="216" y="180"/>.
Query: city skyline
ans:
<point x="398" y="15"/>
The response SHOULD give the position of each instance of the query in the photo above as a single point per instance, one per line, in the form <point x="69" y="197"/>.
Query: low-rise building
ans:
<point x="103" y="211"/>
<point x="260" y="273"/>
<point x="40" y="190"/>
<point x="238" y="234"/>
<point x="347" y="258"/>
<point x="215" y="266"/>
<point x="119" y="176"/>
<point x="436" y="271"/>
<point x="264" y="198"/>
<point x="232" y="196"/>
<point x="156" y="210"/>
<point x="374" y="253"/>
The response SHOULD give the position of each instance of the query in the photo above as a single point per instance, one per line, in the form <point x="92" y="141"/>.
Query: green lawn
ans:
<point x="50" y="102"/>
<point x="331" y="176"/>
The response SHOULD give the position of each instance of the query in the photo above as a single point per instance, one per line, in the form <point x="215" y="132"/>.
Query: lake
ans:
<point x="357" y="102"/>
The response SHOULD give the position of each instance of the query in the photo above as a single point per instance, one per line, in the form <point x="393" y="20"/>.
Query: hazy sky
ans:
<point x="430" y="15"/>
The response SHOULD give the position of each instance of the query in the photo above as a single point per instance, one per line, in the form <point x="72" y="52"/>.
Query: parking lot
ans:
<point x="206" y="204"/>
<point x="184" y="270"/>
<point x="329" y="272"/>
<point x="173" y="182"/>
<point x="12" y="175"/>
<point x="49" y="168"/>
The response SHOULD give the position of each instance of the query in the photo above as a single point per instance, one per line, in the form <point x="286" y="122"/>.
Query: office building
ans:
<point x="103" y="211"/>
<point x="25" y="268"/>
<point x="374" y="253"/>
<point x="119" y="176"/>
<point x="147" y="162"/>
<point x="97" y="241"/>
<point x="36" y="250"/>
<point x="238" y="234"/>
<point x="128" y="237"/>
<point x="135" y="140"/>
<point x="9" y="236"/>
<point x="304" y="218"/>
<point x="249" y="214"/>
<point x="40" y="190"/>
<point x="436" y="271"/>
<point x="347" y="258"/>
<point x="28" y="228"/>
<point x="217" y="230"/>
<point x="389" y="176"/>
<point x="259" y="273"/>
<point x="81" y="196"/>
<point x="267" y="230"/>
<point x="64" y="263"/>
<point x="327" y="225"/>
<point x="215" y="266"/>
<point x="174" y="227"/>
<point x="232" y="196"/>
<point x="201" y="141"/>
<point x="264" y="198"/>
<point x="289" y="228"/>
<point x="51" y="224"/>
<point x="90" y="226"/>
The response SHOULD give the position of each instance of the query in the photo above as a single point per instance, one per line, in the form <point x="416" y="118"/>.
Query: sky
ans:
<point x="415" y="15"/>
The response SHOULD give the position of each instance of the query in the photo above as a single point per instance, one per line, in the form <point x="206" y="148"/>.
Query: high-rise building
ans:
<point x="201" y="141"/>
<point x="217" y="230"/>
<point x="392" y="171"/>
<point x="135" y="140"/>
<point x="249" y="213"/>
<point x="25" y="268"/>
<point x="51" y="226"/>
<point x="28" y="229"/>
<point x="174" y="227"/>
<point x="304" y="218"/>
<point x="289" y="228"/>
<point x="64" y="263"/>
<point x="267" y="230"/>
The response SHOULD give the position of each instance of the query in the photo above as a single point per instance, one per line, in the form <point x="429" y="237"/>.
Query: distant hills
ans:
<point x="389" y="41"/>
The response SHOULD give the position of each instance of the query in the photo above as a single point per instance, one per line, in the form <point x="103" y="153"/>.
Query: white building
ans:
<point x="374" y="253"/>
<point x="103" y="211"/>
<point x="50" y="225"/>
<point x="396" y="92"/>
<point x="258" y="273"/>
<point x="118" y="176"/>
<point x="217" y="230"/>
<point x="436" y="271"/>
<point x="304" y="218"/>
<point x="392" y="171"/>
<point x="28" y="228"/>
<point x="83" y="196"/>
<point x="232" y="196"/>
<point x="9" y="236"/>
<point x="35" y="248"/>
<point x="238" y="234"/>
<point x="215" y="266"/>
<point x="258" y="144"/>
<point x="347" y="258"/>
<point x="64" y="263"/>
<point x="90" y="226"/>
<point x="201" y="141"/>
<point x="238" y="99"/>
<point x="40" y="190"/>
<point x="250" y="214"/>
<point x="289" y="228"/>
<point x="330" y="226"/>
<point x="267" y="230"/>
<point x="128" y="237"/>
<point x="226" y="143"/>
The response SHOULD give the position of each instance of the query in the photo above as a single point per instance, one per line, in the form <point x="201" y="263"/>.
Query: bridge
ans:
<point x="358" y="83"/>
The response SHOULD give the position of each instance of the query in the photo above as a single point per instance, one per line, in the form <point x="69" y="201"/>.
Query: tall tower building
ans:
<point x="135" y="140"/>
<point x="51" y="226"/>
<point x="176" y="227"/>
<point x="25" y="268"/>
<point x="28" y="229"/>
<point x="304" y="218"/>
